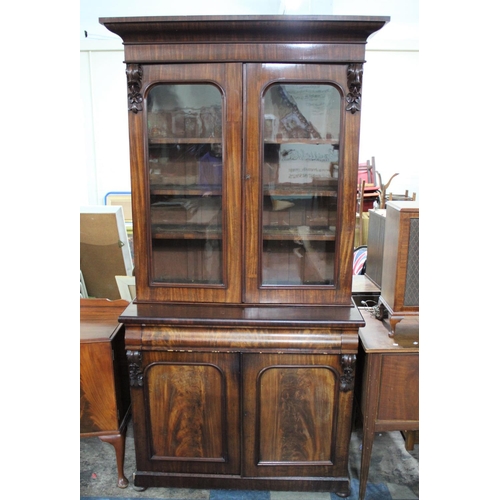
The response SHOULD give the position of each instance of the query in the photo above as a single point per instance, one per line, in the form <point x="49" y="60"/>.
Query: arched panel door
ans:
<point x="299" y="168"/>
<point x="186" y="169"/>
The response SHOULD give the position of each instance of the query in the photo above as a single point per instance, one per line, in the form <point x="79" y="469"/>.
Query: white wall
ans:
<point x="389" y="128"/>
<point x="390" y="86"/>
<point x="105" y="117"/>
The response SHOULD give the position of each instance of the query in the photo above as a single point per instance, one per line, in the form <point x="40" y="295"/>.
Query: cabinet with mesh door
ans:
<point x="399" y="294"/>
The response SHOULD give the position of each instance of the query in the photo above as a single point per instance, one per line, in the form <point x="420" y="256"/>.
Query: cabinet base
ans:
<point x="339" y="486"/>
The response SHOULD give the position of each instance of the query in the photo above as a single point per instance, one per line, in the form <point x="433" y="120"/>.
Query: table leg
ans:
<point x="409" y="437"/>
<point x="366" y="452"/>
<point x="118" y="442"/>
<point x="371" y="392"/>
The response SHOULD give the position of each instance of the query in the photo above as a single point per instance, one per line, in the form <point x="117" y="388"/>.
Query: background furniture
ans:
<point x="121" y="199"/>
<point x="401" y="197"/>
<point x="361" y="235"/>
<point x="368" y="194"/>
<point x="389" y="370"/>
<point x="384" y="188"/>
<point x="242" y="339"/>
<point x="375" y="244"/>
<point x="371" y="191"/>
<point x="399" y="292"/>
<point x="367" y="172"/>
<point x="104" y="391"/>
<point x="360" y="222"/>
<point x="126" y="286"/>
<point x="83" y="289"/>
<point x="104" y="250"/>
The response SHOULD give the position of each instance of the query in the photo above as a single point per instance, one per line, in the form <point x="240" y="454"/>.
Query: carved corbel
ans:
<point x="348" y="362"/>
<point x="134" y="83"/>
<point x="134" y="359"/>
<point x="354" y="82"/>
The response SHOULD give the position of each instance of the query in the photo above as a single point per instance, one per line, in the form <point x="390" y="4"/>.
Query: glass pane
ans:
<point x="300" y="179"/>
<point x="185" y="175"/>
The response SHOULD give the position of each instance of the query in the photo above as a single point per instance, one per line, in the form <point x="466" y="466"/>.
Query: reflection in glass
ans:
<point x="185" y="176"/>
<point x="301" y="125"/>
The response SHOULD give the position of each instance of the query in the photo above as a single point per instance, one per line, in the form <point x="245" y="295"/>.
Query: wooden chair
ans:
<point x="383" y="189"/>
<point x="401" y="197"/>
<point x="368" y="192"/>
<point x="367" y="172"/>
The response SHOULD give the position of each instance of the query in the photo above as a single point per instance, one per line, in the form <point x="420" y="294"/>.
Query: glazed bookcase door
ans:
<point x="301" y="162"/>
<point x="187" y="178"/>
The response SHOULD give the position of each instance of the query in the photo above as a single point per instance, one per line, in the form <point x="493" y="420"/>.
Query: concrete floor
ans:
<point x="394" y="474"/>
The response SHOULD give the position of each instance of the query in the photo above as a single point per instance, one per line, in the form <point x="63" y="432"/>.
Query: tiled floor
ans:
<point x="375" y="492"/>
<point x="393" y="475"/>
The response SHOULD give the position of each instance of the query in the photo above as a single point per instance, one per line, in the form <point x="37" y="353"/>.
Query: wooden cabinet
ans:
<point x="242" y="397"/>
<point x="292" y="406"/>
<point x="104" y="394"/>
<point x="399" y="292"/>
<point x="242" y="340"/>
<point x="389" y="398"/>
<point x="191" y="403"/>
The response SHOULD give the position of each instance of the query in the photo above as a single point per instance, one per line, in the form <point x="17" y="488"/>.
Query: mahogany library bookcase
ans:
<point x="242" y="340"/>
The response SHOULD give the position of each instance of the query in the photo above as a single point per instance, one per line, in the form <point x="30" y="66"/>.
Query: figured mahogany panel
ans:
<point x="98" y="407"/>
<point x="104" y="395"/>
<point x="186" y="410"/>
<point x="296" y="414"/>
<point x="399" y="387"/>
<point x="191" y="412"/>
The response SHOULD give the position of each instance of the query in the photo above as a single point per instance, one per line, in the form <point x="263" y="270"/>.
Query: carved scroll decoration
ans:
<point x="348" y="362"/>
<point x="134" y="83"/>
<point x="354" y="81"/>
<point x="134" y="359"/>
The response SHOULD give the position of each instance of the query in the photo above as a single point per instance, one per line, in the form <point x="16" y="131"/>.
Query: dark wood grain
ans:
<point x="399" y="216"/>
<point x="296" y="419"/>
<point x="340" y="291"/>
<point x="186" y="408"/>
<point x="241" y="29"/>
<point x="149" y="262"/>
<point x="189" y="405"/>
<point x="294" y="415"/>
<point x="247" y="52"/>
<point x="242" y="90"/>
<point x="236" y="383"/>
<point x="399" y="392"/>
<point x="331" y="317"/>
<point x="389" y="396"/>
<point x="104" y="394"/>
<point x="399" y="291"/>
<point x="103" y="402"/>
